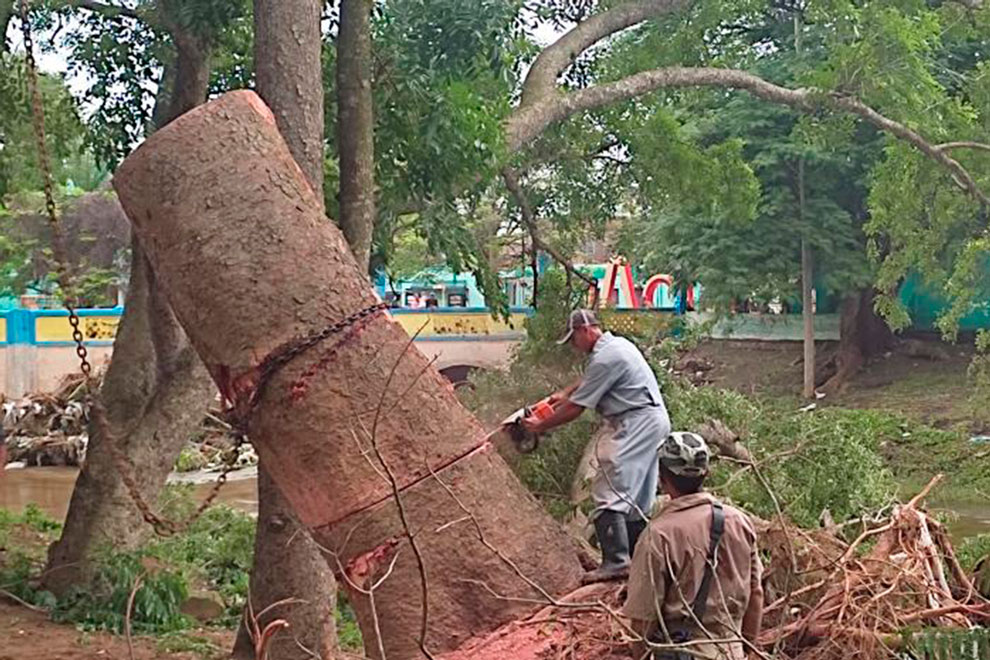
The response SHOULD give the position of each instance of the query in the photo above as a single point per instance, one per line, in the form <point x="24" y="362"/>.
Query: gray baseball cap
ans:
<point x="579" y="318"/>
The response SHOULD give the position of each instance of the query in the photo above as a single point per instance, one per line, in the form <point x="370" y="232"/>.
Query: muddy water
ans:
<point x="51" y="487"/>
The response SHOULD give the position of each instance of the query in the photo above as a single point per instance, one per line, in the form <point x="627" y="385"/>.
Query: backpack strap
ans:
<point x="700" y="603"/>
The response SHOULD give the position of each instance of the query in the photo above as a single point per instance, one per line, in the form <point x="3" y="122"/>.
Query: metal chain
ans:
<point x="162" y="526"/>
<point x="285" y="353"/>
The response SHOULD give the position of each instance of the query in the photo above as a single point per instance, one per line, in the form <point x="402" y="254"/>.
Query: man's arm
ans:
<point x="563" y="394"/>
<point x="563" y="413"/>
<point x="753" y="618"/>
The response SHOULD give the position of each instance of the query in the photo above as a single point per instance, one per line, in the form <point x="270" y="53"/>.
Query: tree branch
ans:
<point x="511" y="178"/>
<point x="948" y="146"/>
<point x="109" y="11"/>
<point x="526" y="123"/>
<point x="541" y="81"/>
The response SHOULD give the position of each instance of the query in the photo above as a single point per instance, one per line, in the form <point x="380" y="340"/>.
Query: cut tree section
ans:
<point x="251" y="265"/>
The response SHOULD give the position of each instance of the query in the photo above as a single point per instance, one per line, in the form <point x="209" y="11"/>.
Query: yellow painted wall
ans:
<point x="450" y="324"/>
<point x="104" y="328"/>
<point x="57" y="328"/>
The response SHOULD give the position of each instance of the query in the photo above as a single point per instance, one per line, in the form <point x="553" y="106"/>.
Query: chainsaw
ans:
<point x="524" y="441"/>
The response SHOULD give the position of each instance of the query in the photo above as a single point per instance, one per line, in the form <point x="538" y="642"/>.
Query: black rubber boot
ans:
<point x="635" y="527"/>
<point x="613" y="539"/>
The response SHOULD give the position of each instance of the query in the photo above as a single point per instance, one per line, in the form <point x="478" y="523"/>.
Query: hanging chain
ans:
<point x="162" y="526"/>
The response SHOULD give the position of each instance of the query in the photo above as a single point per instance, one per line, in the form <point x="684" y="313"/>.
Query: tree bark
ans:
<point x="6" y="13"/>
<point x="362" y="435"/>
<point x="355" y="128"/>
<point x="155" y="391"/>
<point x="862" y="335"/>
<point x="289" y="73"/>
<point x="287" y="562"/>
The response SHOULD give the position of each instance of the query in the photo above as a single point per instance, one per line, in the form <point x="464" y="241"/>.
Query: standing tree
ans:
<point x="882" y="53"/>
<point x="355" y="128"/>
<point x="288" y="566"/>
<point x="156" y="389"/>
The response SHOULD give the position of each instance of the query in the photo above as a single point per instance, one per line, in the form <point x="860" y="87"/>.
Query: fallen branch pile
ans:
<point x="897" y="584"/>
<point x="900" y="575"/>
<point x="51" y="428"/>
<point x="48" y="428"/>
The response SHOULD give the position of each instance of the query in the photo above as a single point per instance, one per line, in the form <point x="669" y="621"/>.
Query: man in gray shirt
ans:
<point x="621" y="387"/>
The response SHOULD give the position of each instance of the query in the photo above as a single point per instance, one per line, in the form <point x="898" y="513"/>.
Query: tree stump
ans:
<point x="250" y="265"/>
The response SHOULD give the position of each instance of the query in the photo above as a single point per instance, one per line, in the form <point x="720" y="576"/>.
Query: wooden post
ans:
<point x="239" y="241"/>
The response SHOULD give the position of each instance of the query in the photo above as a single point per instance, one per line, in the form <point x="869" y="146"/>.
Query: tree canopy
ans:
<point x="681" y="122"/>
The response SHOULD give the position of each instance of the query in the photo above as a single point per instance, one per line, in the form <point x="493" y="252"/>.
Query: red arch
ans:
<point x="653" y="284"/>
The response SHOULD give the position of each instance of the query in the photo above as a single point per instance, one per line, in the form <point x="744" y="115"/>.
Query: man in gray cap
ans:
<point x="619" y="384"/>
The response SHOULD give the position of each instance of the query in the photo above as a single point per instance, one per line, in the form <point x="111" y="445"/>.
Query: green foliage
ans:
<point x="838" y="466"/>
<point x="348" y="633"/>
<point x="64" y="130"/>
<point x="16" y="259"/>
<point x="125" y="59"/>
<point x="102" y="605"/>
<point x="951" y="644"/>
<point x="190" y="459"/>
<point x="214" y="553"/>
<point x="727" y="208"/>
<point x="217" y="551"/>
<point x="979" y="371"/>
<point x="184" y="642"/>
<point x="828" y="459"/>
<point x="23" y="538"/>
<point x="971" y="551"/>
<point x="32" y="518"/>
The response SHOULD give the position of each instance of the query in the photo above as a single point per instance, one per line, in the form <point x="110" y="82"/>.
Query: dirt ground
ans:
<point x="936" y="392"/>
<point x="28" y="635"/>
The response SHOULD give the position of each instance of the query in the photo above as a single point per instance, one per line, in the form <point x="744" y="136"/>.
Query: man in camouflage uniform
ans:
<point x="696" y="572"/>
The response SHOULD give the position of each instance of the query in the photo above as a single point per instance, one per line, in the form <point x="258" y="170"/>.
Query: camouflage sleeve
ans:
<point x="647" y="580"/>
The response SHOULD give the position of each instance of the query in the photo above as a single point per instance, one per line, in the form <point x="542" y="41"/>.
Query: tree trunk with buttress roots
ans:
<point x="217" y="198"/>
<point x="862" y="335"/>
<point x="155" y="391"/>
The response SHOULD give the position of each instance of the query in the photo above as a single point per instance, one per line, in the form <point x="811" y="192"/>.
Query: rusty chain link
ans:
<point x="162" y="526"/>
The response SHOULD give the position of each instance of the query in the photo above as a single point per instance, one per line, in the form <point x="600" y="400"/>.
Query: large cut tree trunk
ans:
<point x="287" y="562"/>
<point x="155" y="391"/>
<point x="217" y="198"/>
<point x="355" y="128"/>
<point x="862" y="335"/>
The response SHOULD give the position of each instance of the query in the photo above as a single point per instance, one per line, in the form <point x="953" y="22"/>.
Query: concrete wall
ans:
<point x="770" y="327"/>
<point x="36" y="348"/>
<point x="37" y="351"/>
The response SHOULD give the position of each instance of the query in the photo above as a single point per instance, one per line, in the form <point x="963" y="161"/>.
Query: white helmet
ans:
<point x="685" y="453"/>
